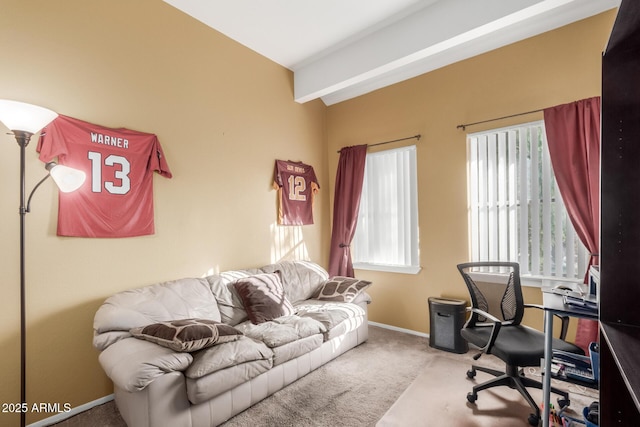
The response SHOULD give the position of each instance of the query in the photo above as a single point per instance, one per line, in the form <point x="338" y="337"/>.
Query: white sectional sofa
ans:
<point x="166" y="374"/>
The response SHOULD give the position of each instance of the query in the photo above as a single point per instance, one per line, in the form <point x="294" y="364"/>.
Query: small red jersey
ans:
<point x="297" y="185"/>
<point x="116" y="200"/>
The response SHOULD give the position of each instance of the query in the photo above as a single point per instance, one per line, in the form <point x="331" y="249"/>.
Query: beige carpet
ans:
<point x="360" y="386"/>
<point x="435" y="398"/>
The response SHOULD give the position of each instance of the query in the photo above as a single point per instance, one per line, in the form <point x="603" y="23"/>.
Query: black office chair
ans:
<point x="496" y="329"/>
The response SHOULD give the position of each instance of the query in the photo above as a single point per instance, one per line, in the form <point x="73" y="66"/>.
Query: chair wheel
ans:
<point x="472" y="397"/>
<point x="563" y="403"/>
<point x="471" y="373"/>
<point x="534" y="420"/>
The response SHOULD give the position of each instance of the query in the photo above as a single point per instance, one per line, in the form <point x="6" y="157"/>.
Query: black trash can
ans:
<point x="447" y="317"/>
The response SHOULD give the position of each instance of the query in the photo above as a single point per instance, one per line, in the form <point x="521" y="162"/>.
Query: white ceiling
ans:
<point x="340" y="49"/>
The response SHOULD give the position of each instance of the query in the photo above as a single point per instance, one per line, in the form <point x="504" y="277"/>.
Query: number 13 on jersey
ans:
<point x="122" y="168"/>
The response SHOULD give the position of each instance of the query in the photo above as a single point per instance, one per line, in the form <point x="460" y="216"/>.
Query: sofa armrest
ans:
<point x="105" y="339"/>
<point x="132" y="363"/>
<point x="362" y="297"/>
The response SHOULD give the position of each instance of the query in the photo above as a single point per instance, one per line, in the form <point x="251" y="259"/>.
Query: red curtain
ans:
<point x="346" y="203"/>
<point x="573" y="135"/>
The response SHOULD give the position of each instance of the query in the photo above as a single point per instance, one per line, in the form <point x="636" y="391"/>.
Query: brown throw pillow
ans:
<point x="263" y="297"/>
<point x="188" y="334"/>
<point x="341" y="289"/>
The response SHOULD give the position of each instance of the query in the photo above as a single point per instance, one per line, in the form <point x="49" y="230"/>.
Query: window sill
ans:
<point x="529" y="281"/>
<point x="387" y="268"/>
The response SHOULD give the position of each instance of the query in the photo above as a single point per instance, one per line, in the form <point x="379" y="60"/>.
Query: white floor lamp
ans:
<point x="24" y="120"/>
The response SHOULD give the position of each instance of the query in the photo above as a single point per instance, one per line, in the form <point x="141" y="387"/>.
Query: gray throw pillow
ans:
<point x="263" y="297"/>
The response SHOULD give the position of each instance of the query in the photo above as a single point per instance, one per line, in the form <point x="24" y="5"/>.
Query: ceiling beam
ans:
<point x="441" y="33"/>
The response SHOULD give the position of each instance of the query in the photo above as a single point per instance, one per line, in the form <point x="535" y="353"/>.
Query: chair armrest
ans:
<point x="132" y="363"/>
<point x="497" y="324"/>
<point x="565" y="320"/>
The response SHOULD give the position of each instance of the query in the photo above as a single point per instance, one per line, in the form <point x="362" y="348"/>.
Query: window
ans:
<point x="516" y="212"/>
<point x="386" y="236"/>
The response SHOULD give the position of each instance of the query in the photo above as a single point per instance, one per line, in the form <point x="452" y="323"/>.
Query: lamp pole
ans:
<point x="24" y="120"/>
<point x="23" y="139"/>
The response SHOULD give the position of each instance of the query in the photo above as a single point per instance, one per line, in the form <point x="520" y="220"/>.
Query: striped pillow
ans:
<point x="187" y="335"/>
<point x="341" y="289"/>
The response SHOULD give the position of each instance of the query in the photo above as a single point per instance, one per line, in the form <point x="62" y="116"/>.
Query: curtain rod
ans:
<point x="464" y="126"/>
<point x="418" y="136"/>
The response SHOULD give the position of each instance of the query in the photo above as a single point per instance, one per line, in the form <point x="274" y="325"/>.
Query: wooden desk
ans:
<point x="553" y="304"/>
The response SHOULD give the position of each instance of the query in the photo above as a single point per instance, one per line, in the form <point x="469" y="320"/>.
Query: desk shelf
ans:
<point x="593" y="386"/>
<point x="619" y="358"/>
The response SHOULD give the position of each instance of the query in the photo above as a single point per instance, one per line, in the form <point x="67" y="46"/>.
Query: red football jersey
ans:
<point x="116" y="200"/>
<point x="297" y="185"/>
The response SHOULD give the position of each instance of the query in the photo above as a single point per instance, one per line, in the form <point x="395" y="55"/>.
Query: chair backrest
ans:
<point x="494" y="287"/>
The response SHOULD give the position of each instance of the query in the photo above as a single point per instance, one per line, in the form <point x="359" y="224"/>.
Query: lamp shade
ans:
<point x="67" y="179"/>
<point x="19" y="116"/>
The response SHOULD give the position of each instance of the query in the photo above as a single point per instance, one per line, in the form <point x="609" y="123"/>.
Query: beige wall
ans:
<point x="554" y="68"/>
<point x="222" y="114"/>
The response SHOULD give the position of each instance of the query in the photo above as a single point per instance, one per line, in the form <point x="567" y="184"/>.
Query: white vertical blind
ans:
<point x="516" y="212"/>
<point x="387" y="229"/>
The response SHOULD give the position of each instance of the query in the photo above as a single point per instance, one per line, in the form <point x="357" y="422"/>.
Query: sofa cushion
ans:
<point x="174" y="300"/>
<point x="300" y="279"/>
<point x="341" y="289"/>
<point x="230" y="305"/>
<point x="188" y="334"/>
<point x="205" y="388"/>
<point x="225" y="355"/>
<point x="263" y="297"/>
<point x="344" y="327"/>
<point x="282" y="330"/>
<point x="296" y="348"/>
<point x="330" y="314"/>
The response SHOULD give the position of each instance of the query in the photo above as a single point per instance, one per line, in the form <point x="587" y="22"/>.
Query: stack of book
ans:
<point x="587" y="303"/>
<point x="572" y="366"/>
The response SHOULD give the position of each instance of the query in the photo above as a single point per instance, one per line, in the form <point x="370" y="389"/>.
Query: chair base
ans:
<point x="514" y="378"/>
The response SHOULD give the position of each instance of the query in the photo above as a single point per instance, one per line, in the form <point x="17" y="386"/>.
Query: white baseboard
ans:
<point x="74" y="411"/>
<point x="395" y="328"/>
